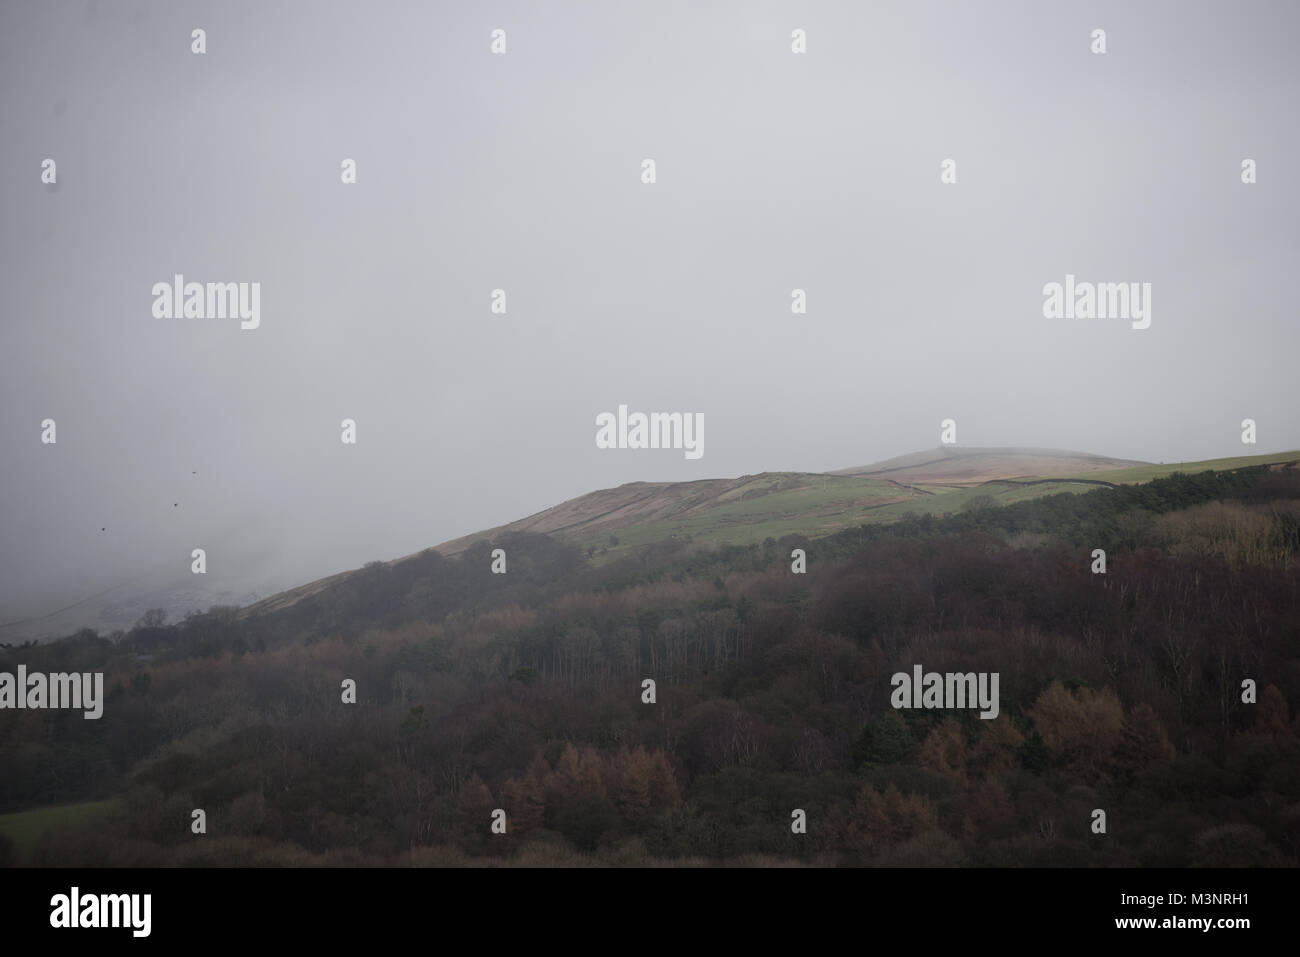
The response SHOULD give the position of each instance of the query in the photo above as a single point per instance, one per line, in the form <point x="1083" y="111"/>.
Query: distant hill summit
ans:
<point x="948" y="465"/>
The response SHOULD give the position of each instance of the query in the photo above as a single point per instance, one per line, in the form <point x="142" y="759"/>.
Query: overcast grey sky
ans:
<point x="476" y="171"/>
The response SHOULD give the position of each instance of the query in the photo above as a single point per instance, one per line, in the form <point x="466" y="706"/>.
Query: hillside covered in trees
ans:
<point x="523" y="692"/>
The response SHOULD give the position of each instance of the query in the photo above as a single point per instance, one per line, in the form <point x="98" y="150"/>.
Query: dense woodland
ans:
<point x="1120" y="691"/>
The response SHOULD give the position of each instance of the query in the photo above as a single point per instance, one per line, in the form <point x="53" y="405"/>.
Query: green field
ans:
<point x="820" y="505"/>
<point x="785" y="503"/>
<point x="26" y="828"/>
<point x="775" y="504"/>
<point x="953" y="500"/>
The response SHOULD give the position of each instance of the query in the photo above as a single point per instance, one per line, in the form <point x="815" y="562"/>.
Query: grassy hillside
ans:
<point x="772" y="505"/>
